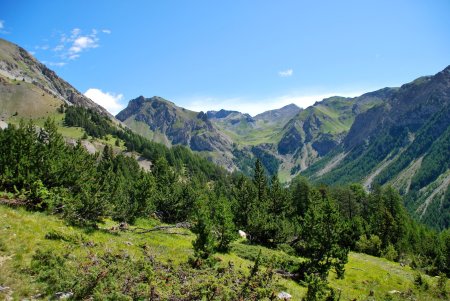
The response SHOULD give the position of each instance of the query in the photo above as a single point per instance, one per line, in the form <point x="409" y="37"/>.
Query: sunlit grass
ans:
<point x="23" y="232"/>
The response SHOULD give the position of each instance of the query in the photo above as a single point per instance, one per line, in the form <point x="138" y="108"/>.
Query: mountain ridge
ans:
<point x="18" y="67"/>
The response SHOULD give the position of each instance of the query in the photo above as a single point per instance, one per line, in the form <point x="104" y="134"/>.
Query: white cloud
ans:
<point x="58" y="47"/>
<point x="286" y="73"/>
<point x="70" y="45"/>
<point x="73" y="56"/>
<point x="256" y="106"/>
<point x="75" y="32"/>
<point x="110" y="101"/>
<point x="81" y="43"/>
<point x="57" y="64"/>
<point x="2" y="27"/>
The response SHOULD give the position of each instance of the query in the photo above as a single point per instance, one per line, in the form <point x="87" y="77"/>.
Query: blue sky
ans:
<point x="249" y="56"/>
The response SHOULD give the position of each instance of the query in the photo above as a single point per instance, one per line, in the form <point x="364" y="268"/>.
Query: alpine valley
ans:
<point x="396" y="136"/>
<point x="163" y="203"/>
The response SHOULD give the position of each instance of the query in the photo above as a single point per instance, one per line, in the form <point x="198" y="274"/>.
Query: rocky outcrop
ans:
<point x="325" y="143"/>
<point x="291" y="141"/>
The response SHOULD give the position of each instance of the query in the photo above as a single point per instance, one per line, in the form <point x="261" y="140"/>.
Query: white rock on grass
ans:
<point x="284" y="296"/>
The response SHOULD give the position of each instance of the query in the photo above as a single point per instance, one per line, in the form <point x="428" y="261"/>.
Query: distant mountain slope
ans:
<point x="29" y="89"/>
<point x="286" y="140"/>
<point x="278" y="116"/>
<point x="228" y="138"/>
<point x="404" y="141"/>
<point x="248" y="130"/>
<point x="162" y="121"/>
<point x="318" y="129"/>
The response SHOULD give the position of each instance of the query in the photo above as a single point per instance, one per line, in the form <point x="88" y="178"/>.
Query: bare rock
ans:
<point x="284" y="296"/>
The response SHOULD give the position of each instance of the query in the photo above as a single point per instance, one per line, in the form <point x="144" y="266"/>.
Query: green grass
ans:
<point x="285" y="175"/>
<point x="69" y="132"/>
<point x="332" y="120"/>
<point x="26" y="99"/>
<point x="23" y="232"/>
<point x="139" y="127"/>
<point x="365" y="273"/>
<point x="245" y="135"/>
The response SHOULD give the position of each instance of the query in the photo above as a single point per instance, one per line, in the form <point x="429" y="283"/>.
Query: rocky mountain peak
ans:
<point x="221" y="113"/>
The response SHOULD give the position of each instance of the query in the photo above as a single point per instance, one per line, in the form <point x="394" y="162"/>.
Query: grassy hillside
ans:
<point x="25" y="236"/>
<point x="25" y="100"/>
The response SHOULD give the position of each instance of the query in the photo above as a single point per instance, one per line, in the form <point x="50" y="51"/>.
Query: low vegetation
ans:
<point x="302" y="232"/>
<point x="41" y="256"/>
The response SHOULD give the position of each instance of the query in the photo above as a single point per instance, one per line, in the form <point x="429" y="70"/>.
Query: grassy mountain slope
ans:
<point x="251" y="131"/>
<point x="25" y="236"/>
<point x="318" y="129"/>
<point x="25" y="100"/>
<point x="404" y="141"/>
<point x="29" y="88"/>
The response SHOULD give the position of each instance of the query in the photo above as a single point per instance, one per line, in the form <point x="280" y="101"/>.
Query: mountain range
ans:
<point x="397" y="136"/>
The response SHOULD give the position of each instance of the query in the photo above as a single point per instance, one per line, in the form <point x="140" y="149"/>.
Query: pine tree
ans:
<point x="279" y="224"/>
<point x="168" y="189"/>
<point x="321" y="238"/>
<point x="260" y="181"/>
<point x="300" y="191"/>
<point x="278" y="197"/>
<point x="143" y="194"/>
<point x="223" y="224"/>
<point x="395" y="216"/>
<point x="204" y="242"/>
<point x="244" y="193"/>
